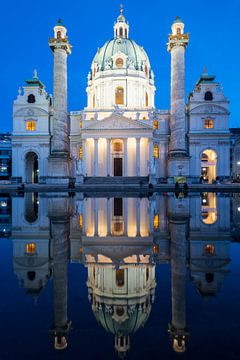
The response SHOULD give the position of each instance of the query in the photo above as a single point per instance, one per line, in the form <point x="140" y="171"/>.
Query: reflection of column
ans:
<point x="125" y="214"/>
<point x="177" y="328"/>
<point x="95" y="157"/>
<point x="138" y="157"/>
<point x="151" y="158"/>
<point x="109" y="217"/>
<point x="96" y="217"/>
<point x="125" y="157"/>
<point x="60" y="244"/>
<point x="109" y="157"/>
<point x="138" y="204"/>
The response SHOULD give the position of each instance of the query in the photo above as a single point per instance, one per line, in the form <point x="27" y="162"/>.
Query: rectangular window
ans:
<point x="80" y="152"/>
<point x="208" y="124"/>
<point x="30" y="125"/>
<point x="155" y="124"/>
<point x="30" y="248"/>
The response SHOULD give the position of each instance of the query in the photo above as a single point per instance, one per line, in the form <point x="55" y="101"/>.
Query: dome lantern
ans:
<point x="121" y="27"/>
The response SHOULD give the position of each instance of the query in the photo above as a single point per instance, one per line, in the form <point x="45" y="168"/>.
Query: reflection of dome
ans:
<point x="136" y="55"/>
<point x="121" y="299"/>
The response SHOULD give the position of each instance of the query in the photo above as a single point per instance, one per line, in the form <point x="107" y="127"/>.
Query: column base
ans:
<point x="59" y="170"/>
<point x="178" y="165"/>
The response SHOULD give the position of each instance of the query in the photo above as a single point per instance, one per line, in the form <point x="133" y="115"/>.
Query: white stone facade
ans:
<point x="120" y="132"/>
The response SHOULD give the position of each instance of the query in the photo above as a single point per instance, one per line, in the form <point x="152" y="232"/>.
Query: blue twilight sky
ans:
<point x="27" y="24"/>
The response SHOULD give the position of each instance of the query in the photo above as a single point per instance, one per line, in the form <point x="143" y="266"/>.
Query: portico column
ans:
<point x="109" y="157"/>
<point x="95" y="157"/>
<point x="84" y="167"/>
<point x="125" y="157"/>
<point x="138" y="157"/>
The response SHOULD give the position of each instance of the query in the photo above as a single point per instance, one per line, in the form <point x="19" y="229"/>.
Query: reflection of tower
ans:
<point x="177" y="328"/>
<point x="59" y="215"/>
<point x="178" y="41"/>
<point x="121" y="298"/>
<point x="59" y="160"/>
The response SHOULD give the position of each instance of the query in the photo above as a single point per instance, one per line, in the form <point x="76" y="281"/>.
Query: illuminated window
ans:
<point x="156" y="221"/>
<point x="178" y="31"/>
<point x="155" y="124"/>
<point x="80" y="221"/>
<point x="119" y="63"/>
<point x="117" y="228"/>
<point x="208" y="124"/>
<point x="146" y="70"/>
<point x="209" y="249"/>
<point x="30" y="248"/>
<point x="94" y="101"/>
<point x="31" y="99"/>
<point x="120" y="277"/>
<point x="144" y="118"/>
<point x="119" y="96"/>
<point x="31" y="125"/>
<point x="155" y="249"/>
<point x="81" y="250"/>
<point x="156" y="152"/>
<point x="80" y="124"/>
<point x="59" y="35"/>
<point x="80" y="152"/>
<point x="146" y="100"/>
<point x="208" y="96"/>
<point x="117" y="146"/>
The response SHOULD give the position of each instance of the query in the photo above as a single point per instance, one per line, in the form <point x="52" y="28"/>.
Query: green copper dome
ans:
<point x="136" y="55"/>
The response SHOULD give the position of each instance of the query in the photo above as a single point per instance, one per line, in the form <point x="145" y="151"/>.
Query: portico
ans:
<point x="116" y="146"/>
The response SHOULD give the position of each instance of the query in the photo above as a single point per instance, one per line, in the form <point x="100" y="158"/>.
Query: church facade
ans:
<point x="120" y="133"/>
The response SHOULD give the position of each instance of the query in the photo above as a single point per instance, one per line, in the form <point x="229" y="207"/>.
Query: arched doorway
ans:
<point x="31" y="170"/>
<point x="208" y="165"/>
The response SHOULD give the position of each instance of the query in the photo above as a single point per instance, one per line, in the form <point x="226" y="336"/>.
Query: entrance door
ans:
<point x="118" y="167"/>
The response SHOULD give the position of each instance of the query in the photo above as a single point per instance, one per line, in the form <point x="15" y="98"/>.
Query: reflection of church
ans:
<point x="120" y="132"/>
<point x="121" y="241"/>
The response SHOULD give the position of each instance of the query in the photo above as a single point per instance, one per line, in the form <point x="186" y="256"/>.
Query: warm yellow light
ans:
<point x="155" y="124"/>
<point x="208" y="124"/>
<point x="156" y="152"/>
<point x="209" y="249"/>
<point x="155" y="249"/>
<point x="80" y="124"/>
<point x="80" y="152"/>
<point x="31" y="125"/>
<point x="156" y="221"/>
<point x="80" y="221"/>
<point x="30" y="248"/>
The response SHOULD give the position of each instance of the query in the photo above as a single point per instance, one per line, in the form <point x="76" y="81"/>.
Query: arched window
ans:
<point x="59" y="35"/>
<point x="119" y="63"/>
<point x="208" y="96"/>
<point x="31" y="99"/>
<point x="178" y="31"/>
<point x="156" y="221"/>
<point x="155" y="124"/>
<point x="146" y="100"/>
<point x="94" y="101"/>
<point x="156" y="152"/>
<point x="118" y="146"/>
<point x="209" y="277"/>
<point x="31" y="275"/>
<point x="120" y="277"/>
<point x="120" y="311"/>
<point x="121" y="32"/>
<point x="119" y="96"/>
<point x="147" y="273"/>
<point x="126" y="33"/>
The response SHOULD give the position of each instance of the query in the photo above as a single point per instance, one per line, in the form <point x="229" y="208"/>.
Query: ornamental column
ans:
<point x="125" y="161"/>
<point x="95" y="157"/>
<point x="108" y="157"/>
<point x="178" y="157"/>
<point x="59" y="160"/>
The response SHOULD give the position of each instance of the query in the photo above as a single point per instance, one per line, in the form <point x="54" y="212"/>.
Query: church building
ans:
<point x="120" y="133"/>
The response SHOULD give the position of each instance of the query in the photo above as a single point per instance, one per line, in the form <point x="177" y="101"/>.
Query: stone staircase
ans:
<point x="117" y="180"/>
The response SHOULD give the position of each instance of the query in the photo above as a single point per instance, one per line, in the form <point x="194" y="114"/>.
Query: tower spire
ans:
<point x="121" y="27"/>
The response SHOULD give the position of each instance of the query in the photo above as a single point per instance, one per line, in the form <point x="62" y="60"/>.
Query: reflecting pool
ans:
<point x="118" y="276"/>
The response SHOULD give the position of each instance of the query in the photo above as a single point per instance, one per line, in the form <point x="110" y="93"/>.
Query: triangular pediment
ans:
<point x="116" y="122"/>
